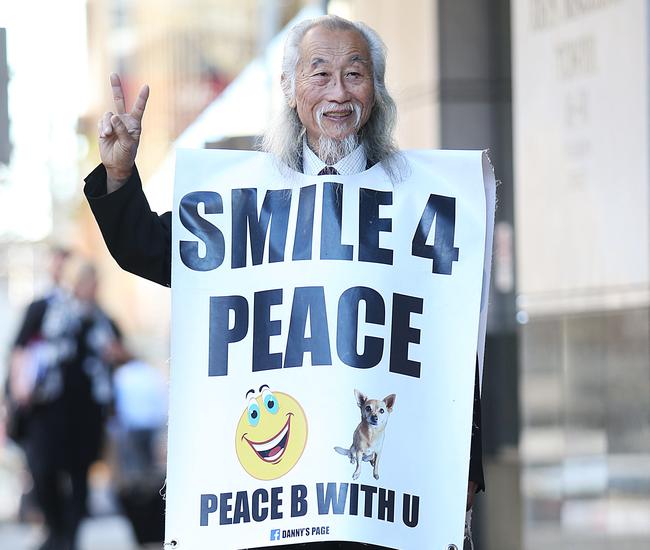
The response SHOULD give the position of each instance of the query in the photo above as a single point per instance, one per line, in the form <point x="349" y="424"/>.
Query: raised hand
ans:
<point x="119" y="135"/>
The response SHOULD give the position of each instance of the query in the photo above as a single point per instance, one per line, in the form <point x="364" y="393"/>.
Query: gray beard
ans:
<point x="330" y="150"/>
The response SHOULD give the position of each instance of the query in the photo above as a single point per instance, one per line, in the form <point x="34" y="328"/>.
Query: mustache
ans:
<point x="350" y="107"/>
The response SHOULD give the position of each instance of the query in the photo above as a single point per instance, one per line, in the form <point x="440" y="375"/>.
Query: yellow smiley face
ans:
<point x="271" y="434"/>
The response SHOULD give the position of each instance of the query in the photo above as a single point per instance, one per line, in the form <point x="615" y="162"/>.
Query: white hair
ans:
<point x="284" y="137"/>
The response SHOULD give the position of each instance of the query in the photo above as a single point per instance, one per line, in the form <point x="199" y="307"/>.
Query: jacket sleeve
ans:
<point x="476" y="450"/>
<point x="138" y="239"/>
<point x="31" y="324"/>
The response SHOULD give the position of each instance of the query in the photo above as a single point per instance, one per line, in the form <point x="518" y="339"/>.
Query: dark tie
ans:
<point x="329" y="171"/>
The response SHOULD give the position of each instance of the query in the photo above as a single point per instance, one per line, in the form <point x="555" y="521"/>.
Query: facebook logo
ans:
<point x="275" y="534"/>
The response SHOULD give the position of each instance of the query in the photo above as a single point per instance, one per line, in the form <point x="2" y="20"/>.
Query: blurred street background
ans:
<point x="557" y="90"/>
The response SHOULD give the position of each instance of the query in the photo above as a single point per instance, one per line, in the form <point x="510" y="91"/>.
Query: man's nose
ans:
<point x="338" y="90"/>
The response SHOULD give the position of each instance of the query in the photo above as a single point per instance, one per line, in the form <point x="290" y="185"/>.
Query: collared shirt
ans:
<point x="354" y="163"/>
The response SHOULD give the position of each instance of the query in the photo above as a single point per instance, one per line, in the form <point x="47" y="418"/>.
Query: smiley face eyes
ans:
<point x="271" y="405"/>
<point x="253" y="414"/>
<point x="270" y="402"/>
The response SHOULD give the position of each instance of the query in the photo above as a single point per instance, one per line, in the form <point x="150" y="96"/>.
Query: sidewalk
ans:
<point x="105" y="530"/>
<point x="102" y="533"/>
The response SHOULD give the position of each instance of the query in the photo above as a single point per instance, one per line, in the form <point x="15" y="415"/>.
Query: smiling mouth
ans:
<point x="339" y="115"/>
<point x="272" y="450"/>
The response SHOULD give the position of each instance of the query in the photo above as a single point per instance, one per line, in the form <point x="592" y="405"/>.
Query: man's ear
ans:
<point x="289" y="96"/>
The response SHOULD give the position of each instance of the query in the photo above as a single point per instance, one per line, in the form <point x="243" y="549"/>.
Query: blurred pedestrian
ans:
<point x="67" y="402"/>
<point x="140" y="412"/>
<point x="23" y="362"/>
<point x="24" y="366"/>
<point x="137" y="427"/>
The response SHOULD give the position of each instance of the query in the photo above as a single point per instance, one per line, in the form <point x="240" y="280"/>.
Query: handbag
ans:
<point x="34" y="378"/>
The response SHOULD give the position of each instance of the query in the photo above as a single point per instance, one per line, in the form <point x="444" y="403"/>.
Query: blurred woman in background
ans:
<point x="68" y="403"/>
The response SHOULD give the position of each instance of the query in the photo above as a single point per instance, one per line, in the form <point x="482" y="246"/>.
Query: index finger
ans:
<point x="140" y="103"/>
<point x="118" y="94"/>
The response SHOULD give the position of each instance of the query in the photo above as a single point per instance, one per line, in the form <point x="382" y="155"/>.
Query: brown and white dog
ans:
<point x="368" y="438"/>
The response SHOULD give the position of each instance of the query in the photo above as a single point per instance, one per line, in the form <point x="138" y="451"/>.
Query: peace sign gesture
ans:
<point x="119" y="135"/>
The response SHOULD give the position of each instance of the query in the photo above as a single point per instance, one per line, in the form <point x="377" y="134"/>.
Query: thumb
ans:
<point x="120" y="128"/>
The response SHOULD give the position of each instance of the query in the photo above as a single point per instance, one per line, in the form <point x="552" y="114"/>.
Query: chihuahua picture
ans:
<point x="368" y="438"/>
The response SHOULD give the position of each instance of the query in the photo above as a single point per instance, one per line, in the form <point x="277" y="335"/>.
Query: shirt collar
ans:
<point x="354" y="163"/>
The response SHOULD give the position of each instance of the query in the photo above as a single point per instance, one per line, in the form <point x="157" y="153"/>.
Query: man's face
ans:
<point x="57" y="263"/>
<point x="334" y="83"/>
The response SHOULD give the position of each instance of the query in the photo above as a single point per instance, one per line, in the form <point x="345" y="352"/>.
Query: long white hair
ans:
<point x="284" y="136"/>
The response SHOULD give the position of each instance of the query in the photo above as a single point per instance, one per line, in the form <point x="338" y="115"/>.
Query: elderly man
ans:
<point x="338" y="119"/>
